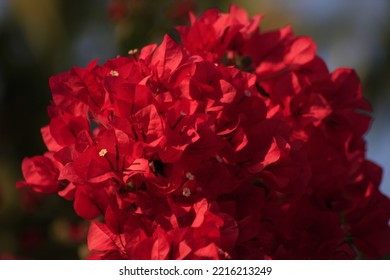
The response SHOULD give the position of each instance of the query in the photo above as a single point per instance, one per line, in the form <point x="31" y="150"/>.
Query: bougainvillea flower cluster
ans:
<point x="233" y="144"/>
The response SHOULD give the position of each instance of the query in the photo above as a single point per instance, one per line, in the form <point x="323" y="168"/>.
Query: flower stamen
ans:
<point x="190" y="176"/>
<point x="114" y="73"/>
<point x="103" y="152"/>
<point x="186" y="192"/>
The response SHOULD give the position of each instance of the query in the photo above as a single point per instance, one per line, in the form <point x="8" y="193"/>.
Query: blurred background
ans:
<point x="43" y="37"/>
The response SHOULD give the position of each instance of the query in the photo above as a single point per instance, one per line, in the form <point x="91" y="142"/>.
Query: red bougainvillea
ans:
<point x="233" y="144"/>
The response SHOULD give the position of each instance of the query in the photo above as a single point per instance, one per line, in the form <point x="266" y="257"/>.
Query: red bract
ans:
<point x="236" y="144"/>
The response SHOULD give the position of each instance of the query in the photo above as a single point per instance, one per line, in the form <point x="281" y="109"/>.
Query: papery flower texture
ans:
<point x="233" y="144"/>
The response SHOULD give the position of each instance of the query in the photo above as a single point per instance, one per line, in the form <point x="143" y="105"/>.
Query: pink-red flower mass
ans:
<point x="234" y="144"/>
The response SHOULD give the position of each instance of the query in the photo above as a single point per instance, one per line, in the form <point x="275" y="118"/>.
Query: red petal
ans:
<point x="100" y="238"/>
<point x="301" y="52"/>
